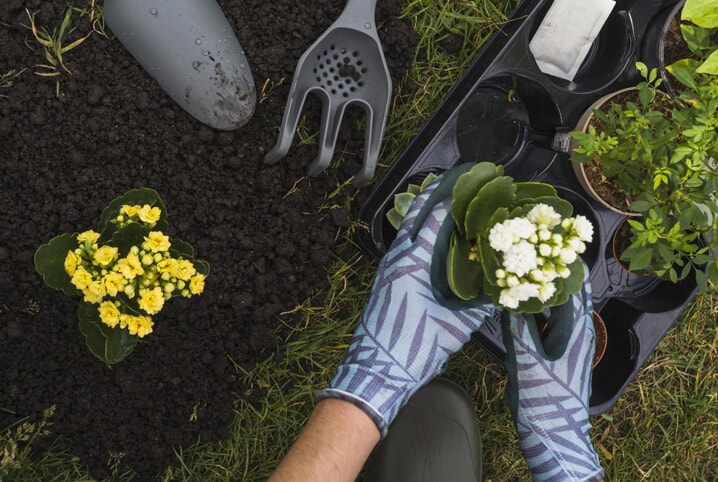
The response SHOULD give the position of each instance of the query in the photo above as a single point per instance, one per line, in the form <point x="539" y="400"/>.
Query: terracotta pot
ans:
<point x="599" y="327"/>
<point x="579" y="168"/>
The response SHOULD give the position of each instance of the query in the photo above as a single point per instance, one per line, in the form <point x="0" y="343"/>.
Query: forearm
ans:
<point x="333" y="446"/>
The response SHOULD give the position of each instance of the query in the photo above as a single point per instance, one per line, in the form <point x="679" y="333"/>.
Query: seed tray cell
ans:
<point x="505" y="110"/>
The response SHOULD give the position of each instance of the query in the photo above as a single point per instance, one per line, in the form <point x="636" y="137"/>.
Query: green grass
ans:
<point x="664" y="427"/>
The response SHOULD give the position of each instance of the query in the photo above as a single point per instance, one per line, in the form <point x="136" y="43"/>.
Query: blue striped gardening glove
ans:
<point x="408" y="328"/>
<point x="548" y="390"/>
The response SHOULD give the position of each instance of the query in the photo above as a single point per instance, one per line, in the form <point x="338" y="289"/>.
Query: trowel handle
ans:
<point x="358" y="14"/>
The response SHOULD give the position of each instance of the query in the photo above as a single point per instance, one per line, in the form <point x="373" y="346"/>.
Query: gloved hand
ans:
<point x="406" y="334"/>
<point x="548" y="390"/>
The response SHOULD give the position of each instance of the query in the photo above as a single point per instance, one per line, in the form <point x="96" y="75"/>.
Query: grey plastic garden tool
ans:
<point x="345" y="65"/>
<point x="189" y="47"/>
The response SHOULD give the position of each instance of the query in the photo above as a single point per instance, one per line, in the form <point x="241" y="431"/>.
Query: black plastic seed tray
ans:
<point x="505" y="110"/>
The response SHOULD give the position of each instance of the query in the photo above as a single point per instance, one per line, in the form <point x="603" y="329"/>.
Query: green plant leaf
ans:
<point x="710" y="66"/>
<point x="683" y="71"/>
<point x="703" y="13"/>
<point x="464" y="275"/>
<point x="529" y="190"/>
<point x="466" y="188"/>
<point x="402" y="202"/>
<point x="497" y="193"/>
<point x="394" y="218"/>
<point x="111" y="345"/>
<point x="131" y="235"/>
<point x="138" y="197"/>
<point x="49" y="262"/>
<point x="490" y="263"/>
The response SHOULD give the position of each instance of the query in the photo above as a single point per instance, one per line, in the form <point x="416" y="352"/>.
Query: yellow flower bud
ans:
<point x="72" y="261"/>
<point x="168" y="266"/>
<point x="130" y="266"/>
<point x="130" y="210"/>
<point x="157" y="241"/>
<point x="196" y="284"/>
<point x="147" y="260"/>
<point x="114" y="283"/>
<point x="81" y="279"/>
<point x="105" y="255"/>
<point x="151" y="301"/>
<point x="88" y="236"/>
<point x="185" y="269"/>
<point x="143" y="326"/>
<point x="149" y="215"/>
<point x="94" y="292"/>
<point x="109" y="314"/>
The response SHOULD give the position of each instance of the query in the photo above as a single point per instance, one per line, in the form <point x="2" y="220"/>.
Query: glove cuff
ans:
<point x="367" y="408"/>
<point x="379" y="396"/>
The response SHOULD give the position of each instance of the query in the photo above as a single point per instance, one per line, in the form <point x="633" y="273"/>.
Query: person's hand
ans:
<point x="408" y="329"/>
<point x="548" y="390"/>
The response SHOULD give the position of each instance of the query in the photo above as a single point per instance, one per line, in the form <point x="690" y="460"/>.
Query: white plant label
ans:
<point x="566" y="34"/>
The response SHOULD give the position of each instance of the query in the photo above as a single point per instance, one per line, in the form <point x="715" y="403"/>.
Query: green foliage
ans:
<point x="126" y="271"/>
<point x="403" y="200"/>
<point x="700" y="23"/>
<point x="662" y="154"/>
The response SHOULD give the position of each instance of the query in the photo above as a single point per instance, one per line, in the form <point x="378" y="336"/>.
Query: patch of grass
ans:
<point x="57" y="41"/>
<point x="16" y="451"/>
<point x="7" y="79"/>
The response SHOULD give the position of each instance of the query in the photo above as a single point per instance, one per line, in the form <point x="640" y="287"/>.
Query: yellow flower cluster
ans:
<point x="130" y="213"/>
<point x="147" y="275"/>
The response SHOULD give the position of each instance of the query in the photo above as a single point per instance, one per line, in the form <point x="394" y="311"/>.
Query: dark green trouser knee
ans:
<point x="435" y="438"/>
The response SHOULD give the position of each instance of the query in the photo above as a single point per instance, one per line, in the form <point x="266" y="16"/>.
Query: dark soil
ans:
<point x="267" y="232"/>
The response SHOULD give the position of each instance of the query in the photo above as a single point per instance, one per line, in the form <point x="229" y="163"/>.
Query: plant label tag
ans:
<point x="566" y="33"/>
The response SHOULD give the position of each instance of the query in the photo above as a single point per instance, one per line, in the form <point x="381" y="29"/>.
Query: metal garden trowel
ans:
<point x="189" y="47"/>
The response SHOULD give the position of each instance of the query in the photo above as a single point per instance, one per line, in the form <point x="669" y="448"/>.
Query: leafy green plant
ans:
<point x="125" y="272"/>
<point x="403" y="200"/>
<point x="517" y="242"/>
<point x="699" y="23"/>
<point x="662" y="155"/>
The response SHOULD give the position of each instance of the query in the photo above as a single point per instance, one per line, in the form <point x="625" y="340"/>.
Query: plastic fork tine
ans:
<point x="345" y="65"/>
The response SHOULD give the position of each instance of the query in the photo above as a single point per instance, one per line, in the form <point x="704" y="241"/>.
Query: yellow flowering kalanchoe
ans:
<point x="125" y="272"/>
<point x="147" y="274"/>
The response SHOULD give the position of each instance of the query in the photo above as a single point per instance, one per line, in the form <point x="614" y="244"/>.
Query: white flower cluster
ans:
<point x="534" y="251"/>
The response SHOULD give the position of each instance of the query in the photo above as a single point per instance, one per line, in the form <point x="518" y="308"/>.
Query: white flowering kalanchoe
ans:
<point x="534" y="251"/>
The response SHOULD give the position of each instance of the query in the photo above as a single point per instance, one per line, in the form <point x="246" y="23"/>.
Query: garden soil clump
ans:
<point x="267" y="232"/>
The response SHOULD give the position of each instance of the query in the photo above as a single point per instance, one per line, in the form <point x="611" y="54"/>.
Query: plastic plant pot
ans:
<point x="505" y="110"/>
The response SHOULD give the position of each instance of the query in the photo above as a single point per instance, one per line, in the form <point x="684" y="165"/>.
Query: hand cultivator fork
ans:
<point x="344" y="66"/>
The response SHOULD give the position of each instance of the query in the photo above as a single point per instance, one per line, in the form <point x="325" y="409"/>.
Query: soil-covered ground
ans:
<point x="267" y="233"/>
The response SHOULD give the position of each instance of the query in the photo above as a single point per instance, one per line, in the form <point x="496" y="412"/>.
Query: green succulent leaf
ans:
<point x="464" y="275"/>
<point x="394" y="218"/>
<point x="130" y="235"/>
<point x="49" y="262"/>
<point x="467" y="186"/>
<point x="529" y="190"/>
<point x="111" y="345"/>
<point x="497" y="193"/>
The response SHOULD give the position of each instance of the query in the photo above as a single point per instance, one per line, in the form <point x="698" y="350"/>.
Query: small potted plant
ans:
<point x="659" y="154"/>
